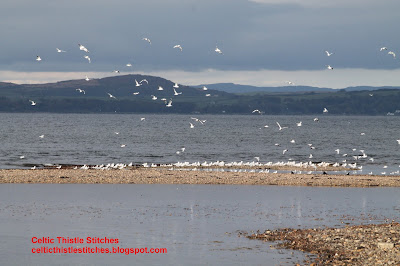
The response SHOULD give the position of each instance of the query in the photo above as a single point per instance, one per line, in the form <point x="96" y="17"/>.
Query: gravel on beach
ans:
<point x="372" y="244"/>
<point x="165" y="176"/>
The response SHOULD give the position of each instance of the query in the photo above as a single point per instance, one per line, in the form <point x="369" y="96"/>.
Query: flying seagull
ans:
<point x="87" y="78"/>
<point x="256" y="111"/>
<point x="169" y="103"/>
<point x="179" y="47"/>
<point x="280" y="128"/>
<point x="160" y="88"/>
<point x="81" y="91"/>
<point x="329" y="67"/>
<point x="177" y="93"/>
<point x="38" y="58"/>
<point x="87" y="57"/>
<point x="147" y="40"/>
<point x="217" y="50"/>
<point x="176" y="85"/>
<point x="392" y="53"/>
<point x="299" y="124"/>
<point x="383" y="49"/>
<point x="83" y="48"/>
<point x="328" y="53"/>
<point x="111" y="96"/>
<point x="129" y="65"/>
<point x="60" y="51"/>
<point x="191" y="125"/>
<point x="137" y="83"/>
<point x="325" y="110"/>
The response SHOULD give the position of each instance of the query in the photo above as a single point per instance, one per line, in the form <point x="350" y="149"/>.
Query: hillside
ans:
<point x="64" y="97"/>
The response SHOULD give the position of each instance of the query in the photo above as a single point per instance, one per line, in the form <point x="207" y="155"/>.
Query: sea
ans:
<point x="39" y="139"/>
<point x="185" y="224"/>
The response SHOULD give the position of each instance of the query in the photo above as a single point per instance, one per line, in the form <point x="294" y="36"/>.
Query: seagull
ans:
<point x="205" y="88"/>
<point x="116" y="133"/>
<point x="81" y="91"/>
<point x="299" y="124"/>
<point x="329" y="67"/>
<point x="383" y="49"/>
<point x="256" y="111"/>
<point x="328" y="53"/>
<point x="398" y="141"/>
<point x="179" y="47"/>
<point x="144" y="80"/>
<point x="160" y="88"/>
<point x="371" y="94"/>
<point x="116" y="71"/>
<point x="32" y="102"/>
<point x="191" y="125"/>
<point x="217" y="50"/>
<point x="142" y="119"/>
<point x="129" y="65"/>
<point x="289" y="82"/>
<point x="266" y="126"/>
<point x="38" y="58"/>
<point x="87" y="78"/>
<point x="169" y="103"/>
<point x="176" y="85"/>
<point x="41" y="136"/>
<point x="87" y="57"/>
<point x="392" y="53"/>
<point x="311" y="156"/>
<point x="198" y="120"/>
<point x="22" y="157"/>
<point x="111" y="96"/>
<point x="60" y="51"/>
<point x="135" y="93"/>
<point x="137" y="83"/>
<point x="83" y="48"/>
<point x="257" y="158"/>
<point x="325" y="110"/>
<point x="292" y="141"/>
<point x="316" y="119"/>
<point x="284" y="151"/>
<point x="208" y="95"/>
<point x="280" y="128"/>
<point x="177" y="93"/>
<point x="147" y="40"/>
<point x="153" y="97"/>
<point x="123" y="145"/>
<point x="337" y="151"/>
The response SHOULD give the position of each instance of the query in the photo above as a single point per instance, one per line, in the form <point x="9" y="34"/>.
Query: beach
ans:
<point x="186" y="176"/>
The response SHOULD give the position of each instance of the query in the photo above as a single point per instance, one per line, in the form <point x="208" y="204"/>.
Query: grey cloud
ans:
<point x="252" y="35"/>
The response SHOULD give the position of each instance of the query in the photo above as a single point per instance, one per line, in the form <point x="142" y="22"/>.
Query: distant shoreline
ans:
<point x="164" y="176"/>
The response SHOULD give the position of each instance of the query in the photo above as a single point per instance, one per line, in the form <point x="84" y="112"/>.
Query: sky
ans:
<point x="264" y="42"/>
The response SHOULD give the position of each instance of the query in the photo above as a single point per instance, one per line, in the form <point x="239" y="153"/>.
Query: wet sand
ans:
<point x="375" y="244"/>
<point x="165" y="176"/>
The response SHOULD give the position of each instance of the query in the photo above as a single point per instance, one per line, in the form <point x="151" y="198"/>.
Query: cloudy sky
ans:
<point x="264" y="42"/>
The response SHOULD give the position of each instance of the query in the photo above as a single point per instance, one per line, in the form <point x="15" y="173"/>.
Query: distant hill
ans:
<point x="119" y="86"/>
<point x="64" y="97"/>
<point x="237" y="88"/>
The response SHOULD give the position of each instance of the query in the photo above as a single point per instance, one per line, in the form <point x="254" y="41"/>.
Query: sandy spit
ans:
<point x="164" y="176"/>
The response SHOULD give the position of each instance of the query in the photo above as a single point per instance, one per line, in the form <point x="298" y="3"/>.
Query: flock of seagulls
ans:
<point x="168" y="104"/>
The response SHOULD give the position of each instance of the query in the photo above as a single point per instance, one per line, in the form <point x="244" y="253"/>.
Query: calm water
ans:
<point x="198" y="224"/>
<point x="91" y="139"/>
